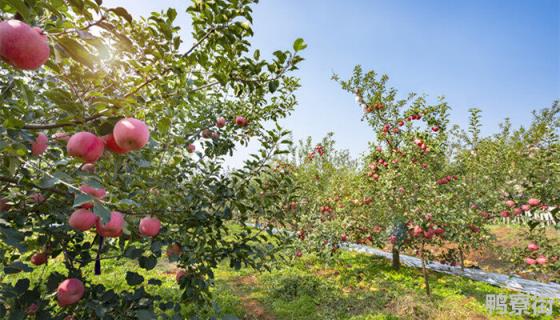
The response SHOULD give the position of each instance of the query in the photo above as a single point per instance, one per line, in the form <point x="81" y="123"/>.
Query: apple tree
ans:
<point x="114" y="136"/>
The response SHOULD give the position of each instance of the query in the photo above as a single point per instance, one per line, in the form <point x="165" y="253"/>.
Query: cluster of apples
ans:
<point x="375" y="106"/>
<point x="325" y="209"/>
<point x="541" y="259"/>
<point x="428" y="230"/>
<point x="27" y="48"/>
<point x="387" y="128"/>
<point x="317" y="150"/>
<point x="128" y="134"/>
<point x="208" y="133"/>
<point x="446" y="180"/>
<point x="422" y="145"/>
<point x="518" y="210"/>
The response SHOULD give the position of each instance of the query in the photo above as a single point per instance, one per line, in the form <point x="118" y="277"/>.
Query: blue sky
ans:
<point x="500" y="56"/>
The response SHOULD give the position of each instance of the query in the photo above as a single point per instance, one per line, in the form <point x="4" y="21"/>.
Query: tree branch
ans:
<point x="212" y="30"/>
<point x="16" y="182"/>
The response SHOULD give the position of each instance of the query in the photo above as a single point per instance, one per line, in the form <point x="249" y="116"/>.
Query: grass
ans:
<point x="353" y="286"/>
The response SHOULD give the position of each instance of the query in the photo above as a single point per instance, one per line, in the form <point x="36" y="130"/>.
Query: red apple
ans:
<point x="191" y="148"/>
<point x="417" y="231"/>
<point x="98" y="193"/>
<point x="37" y="197"/>
<point x="533" y="246"/>
<point x="510" y="203"/>
<point x="179" y="275"/>
<point x="541" y="260"/>
<point x="61" y="136"/>
<point x="173" y="249"/>
<point x="32" y="309"/>
<point x="131" y="134"/>
<point x="530" y="261"/>
<point x="533" y="202"/>
<point x="298" y="253"/>
<point x="86" y="146"/>
<point x="69" y="292"/>
<point x="526" y="207"/>
<point x="220" y="122"/>
<point x="39" y="146"/>
<point x="82" y="219"/>
<point x="386" y="127"/>
<point x="429" y="234"/>
<point x="504" y="214"/>
<point x="435" y="128"/>
<point x="241" y="121"/>
<point x="474" y="228"/>
<point x="485" y="214"/>
<point x="88" y="167"/>
<point x="113" y="228"/>
<point x="4" y="206"/>
<point x="112" y="145"/>
<point x="149" y="226"/>
<point x="344" y="237"/>
<point x="206" y="134"/>
<point x="22" y="46"/>
<point x="39" y="258"/>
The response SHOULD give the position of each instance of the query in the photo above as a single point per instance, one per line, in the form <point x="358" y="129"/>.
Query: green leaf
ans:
<point x="101" y="211"/>
<point x="133" y="252"/>
<point x="13" y="238"/>
<point x="16" y="267"/>
<point x="171" y="14"/>
<point x="20" y="7"/>
<point x="81" y="199"/>
<point x="133" y="278"/>
<point x="145" y="314"/>
<point x="76" y="51"/>
<point x="54" y="280"/>
<point x="147" y="263"/>
<point x="273" y="85"/>
<point x="120" y="11"/>
<point x="154" y="282"/>
<point x="21" y="286"/>
<point x="299" y="44"/>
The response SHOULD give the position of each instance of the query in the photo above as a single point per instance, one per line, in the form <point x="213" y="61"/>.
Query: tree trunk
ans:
<point x="461" y="256"/>
<point x="425" y="271"/>
<point x="396" y="259"/>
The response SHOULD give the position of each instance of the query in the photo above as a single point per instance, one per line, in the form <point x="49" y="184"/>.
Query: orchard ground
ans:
<point x="352" y="286"/>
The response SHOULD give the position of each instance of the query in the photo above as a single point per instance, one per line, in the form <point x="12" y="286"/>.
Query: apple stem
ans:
<point x="98" y="259"/>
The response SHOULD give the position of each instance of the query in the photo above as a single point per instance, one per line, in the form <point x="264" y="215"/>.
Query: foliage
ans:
<point x="106" y="65"/>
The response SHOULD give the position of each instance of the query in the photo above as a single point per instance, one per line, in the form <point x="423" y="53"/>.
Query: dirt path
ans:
<point x="255" y="310"/>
